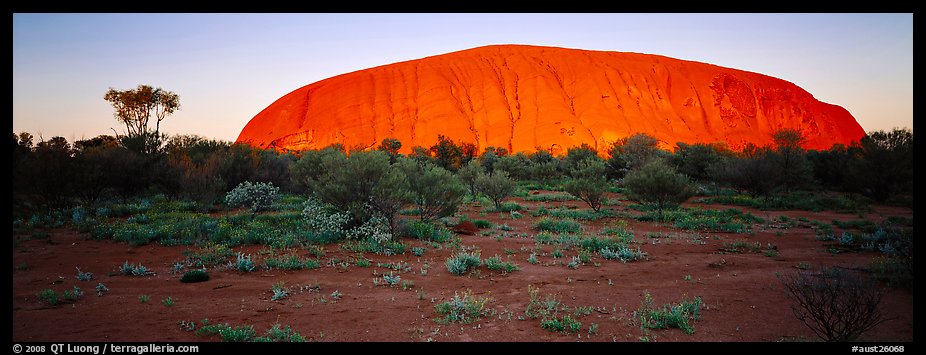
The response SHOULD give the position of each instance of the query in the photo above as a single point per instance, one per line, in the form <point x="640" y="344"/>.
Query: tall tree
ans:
<point x="135" y="107"/>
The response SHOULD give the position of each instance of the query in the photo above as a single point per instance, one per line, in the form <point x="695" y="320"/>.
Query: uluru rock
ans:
<point x="525" y="98"/>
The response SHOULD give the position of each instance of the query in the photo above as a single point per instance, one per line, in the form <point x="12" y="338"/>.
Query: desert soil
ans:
<point x="743" y="299"/>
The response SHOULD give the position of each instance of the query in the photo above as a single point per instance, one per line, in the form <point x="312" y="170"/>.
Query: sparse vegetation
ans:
<point x="495" y="263"/>
<point x="557" y="225"/>
<point x="464" y="309"/>
<point x="680" y="315"/>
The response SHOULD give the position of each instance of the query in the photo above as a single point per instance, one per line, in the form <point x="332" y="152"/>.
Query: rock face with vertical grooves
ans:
<point x="525" y="98"/>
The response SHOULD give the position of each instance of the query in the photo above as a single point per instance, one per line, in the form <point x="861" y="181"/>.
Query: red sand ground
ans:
<point x="744" y="301"/>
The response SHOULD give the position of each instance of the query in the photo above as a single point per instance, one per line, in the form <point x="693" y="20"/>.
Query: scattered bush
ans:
<point x="658" y="183"/>
<point x="463" y="263"/>
<point x="279" y="291"/>
<point x="134" y="270"/>
<point x="192" y="276"/>
<point x="495" y="263"/>
<point x="49" y="296"/>
<point x="588" y="182"/>
<point x="244" y="263"/>
<point x="257" y="196"/>
<point x="557" y="225"/>
<point x="101" y="289"/>
<point x="622" y="253"/>
<point x="435" y="191"/>
<point x="668" y="316"/>
<point x="84" y="276"/>
<point x="496" y="187"/>
<point x="465" y="309"/>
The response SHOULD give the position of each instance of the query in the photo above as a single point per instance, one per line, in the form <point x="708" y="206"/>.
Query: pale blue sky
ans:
<point x="228" y="67"/>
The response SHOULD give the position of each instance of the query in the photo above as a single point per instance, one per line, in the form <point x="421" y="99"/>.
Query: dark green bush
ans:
<point x="194" y="276"/>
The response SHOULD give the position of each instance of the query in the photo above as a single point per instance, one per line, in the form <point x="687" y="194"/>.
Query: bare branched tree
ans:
<point x="835" y="305"/>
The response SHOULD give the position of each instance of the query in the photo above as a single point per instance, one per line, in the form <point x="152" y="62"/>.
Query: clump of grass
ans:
<point x="730" y="220"/>
<point x="679" y="315"/>
<point x="463" y="263"/>
<point x="73" y="294"/>
<point x="418" y="251"/>
<point x="101" y="289"/>
<point x="134" y="270"/>
<point x="464" y="309"/>
<point x="168" y="302"/>
<point x="548" y="311"/>
<point x="244" y="263"/>
<point x="557" y="225"/>
<point x="84" y="276"/>
<point x="246" y="333"/>
<point x="622" y="253"/>
<point x="742" y="246"/>
<point x="281" y="334"/>
<point x="290" y="262"/>
<point x="279" y="291"/>
<point x="506" y="207"/>
<point x="495" y="263"/>
<point x="228" y="333"/>
<point x="49" y="296"/>
<point x="578" y="214"/>
<point x="564" y="324"/>
<point x="143" y="298"/>
<point x="194" y="276"/>
<point x="392" y="279"/>
<point x="362" y="261"/>
<point x="532" y="258"/>
<point x="575" y="263"/>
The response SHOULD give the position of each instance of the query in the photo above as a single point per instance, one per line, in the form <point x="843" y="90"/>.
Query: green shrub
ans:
<point x="279" y="291"/>
<point x="258" y="196"/>
<point x="49" y="296"/>
<point x="557" y="225"/>
<point x="495" y="263"/>
<point x="566" y="324"/>
<point x="622" y="253"/>
<point x="281" y="334"/>
<point x="481" y="223"/>
<point x="554" y="197"/>
<point x="194" y="276"/>
<point x="134" y="270"/>
<point x="84" y="276"/>
<point x="657" y="183"/>
<point x="465" y="309"/>
<point x="729" y="220"/>
<point x="418" y="251"/>
<point x="435" y="191"/>
<point x="588" y="182"/>
<point x="562" y="212"/>
<point x="244" y="263"/>
<point x="363" y="186"/>
<point x="426" y="230"/>
<point x="680" y="315"/>
<point x="290" y="262"/>
<point x="496" y="187"/>
<point x="631" y="153"/>
<point x="463" y="263"/>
